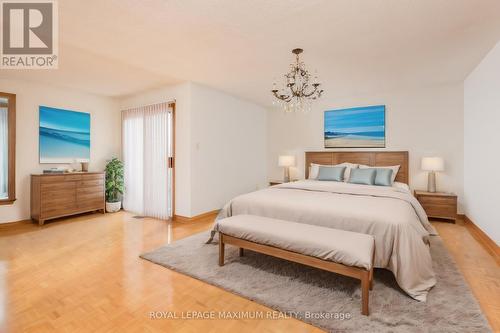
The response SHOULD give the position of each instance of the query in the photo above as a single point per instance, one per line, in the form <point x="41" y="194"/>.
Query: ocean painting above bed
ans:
<point x="64" y="136"/>
<point x="361" y="127"/>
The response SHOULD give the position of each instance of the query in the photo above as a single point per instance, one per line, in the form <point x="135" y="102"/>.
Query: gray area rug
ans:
<point x="310" y="294"/>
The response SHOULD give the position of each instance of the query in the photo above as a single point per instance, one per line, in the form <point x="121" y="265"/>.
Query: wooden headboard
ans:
<point x="371" y="158"/>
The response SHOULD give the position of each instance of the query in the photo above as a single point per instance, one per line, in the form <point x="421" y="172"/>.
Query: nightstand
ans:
<point x="438" y="204"/>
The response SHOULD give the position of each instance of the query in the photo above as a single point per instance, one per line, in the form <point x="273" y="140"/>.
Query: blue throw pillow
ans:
<point x="383" y="177"/>
<point x="331" y="173"/>
<point x="363" y="176"/>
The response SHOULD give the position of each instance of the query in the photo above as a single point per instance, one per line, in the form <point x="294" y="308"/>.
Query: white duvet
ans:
<point x="391" y="214"/>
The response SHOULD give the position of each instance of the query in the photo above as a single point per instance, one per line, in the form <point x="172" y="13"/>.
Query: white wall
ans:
<point x="181" y="94"/>
<point x="426" y="122"/>
<point x="105" y="134"/>
<point x="229" y="140"/>
<point x="481" y="140"/>
<point x="220" y="145"/>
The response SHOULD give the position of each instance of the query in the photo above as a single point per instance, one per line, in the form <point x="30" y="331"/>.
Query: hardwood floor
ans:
<point x="478" y="266"/>
<point x="83" y="274"/>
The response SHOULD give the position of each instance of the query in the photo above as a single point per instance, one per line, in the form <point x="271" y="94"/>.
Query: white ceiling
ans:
<point x="119" y="47"/>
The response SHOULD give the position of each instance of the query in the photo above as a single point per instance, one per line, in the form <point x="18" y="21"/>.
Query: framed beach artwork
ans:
<point x="64" y="136"/>
<point x="361" y="127"/>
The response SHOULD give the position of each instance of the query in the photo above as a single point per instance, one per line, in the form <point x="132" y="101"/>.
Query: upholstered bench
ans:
<point x="343" y="252"/>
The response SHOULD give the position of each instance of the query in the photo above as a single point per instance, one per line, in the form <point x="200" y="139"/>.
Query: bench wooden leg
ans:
<point x="373" y="263"/>
<point x="221" y="250"/>
<point x="242" y="252"/>
<point x="365" y="292"/>
<point x="371" y="278"/>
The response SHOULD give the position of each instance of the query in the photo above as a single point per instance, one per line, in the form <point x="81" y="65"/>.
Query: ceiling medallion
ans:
<point x="297" y="93"/>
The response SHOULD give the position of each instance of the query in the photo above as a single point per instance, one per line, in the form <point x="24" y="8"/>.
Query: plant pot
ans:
<point x="113" y="207"/>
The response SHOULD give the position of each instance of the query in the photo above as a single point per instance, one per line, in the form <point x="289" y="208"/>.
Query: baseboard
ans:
<point x="483" y="239"/>
<point x="15" y="223"/>
<point x="207" y="215"/>
<point x="17" y="227"/>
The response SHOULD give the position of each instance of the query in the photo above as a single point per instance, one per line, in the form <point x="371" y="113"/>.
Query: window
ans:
<point x="7" y="148"/>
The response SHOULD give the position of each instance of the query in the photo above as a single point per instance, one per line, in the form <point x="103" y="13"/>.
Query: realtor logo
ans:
<point x="29" y="34"/>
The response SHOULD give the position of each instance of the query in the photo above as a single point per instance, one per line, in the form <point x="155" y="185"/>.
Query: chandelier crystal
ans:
<point x="297" y="93"/>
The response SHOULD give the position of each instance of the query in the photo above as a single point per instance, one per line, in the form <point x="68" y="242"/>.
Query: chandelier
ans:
<point x="297" y="93"/>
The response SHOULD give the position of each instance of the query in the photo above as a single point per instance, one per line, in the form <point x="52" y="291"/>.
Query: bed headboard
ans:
<point x="371" y="158"/>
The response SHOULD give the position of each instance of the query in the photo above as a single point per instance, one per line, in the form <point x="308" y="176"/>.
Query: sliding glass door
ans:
<point x="148" y="151"/>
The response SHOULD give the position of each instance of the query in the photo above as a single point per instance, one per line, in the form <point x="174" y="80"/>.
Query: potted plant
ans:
<point x="114" y="185"/>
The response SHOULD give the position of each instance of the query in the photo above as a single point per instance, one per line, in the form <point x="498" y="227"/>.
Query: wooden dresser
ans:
<point x="66" y="194"/>
<point x="438" y="204"/>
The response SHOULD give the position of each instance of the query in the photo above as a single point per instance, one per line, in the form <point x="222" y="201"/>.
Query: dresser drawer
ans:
<point x="90" y="183"/>
<point x="59" y="204"/>
<point x="93" y="176"/>
<point x="91" y="204"/>
<point x="57" y="200"/>
<point x="90" y="196"/>
<point x="58" y="211"/>
<point x="91" y="189"/>
<point x="57" y="187"/>
<point x="49" y="194"/>
<point x="447" y="211"/>
<point x="59" y="178"/>
<point x="437" y="200"/>
<point x="70" y="178"/>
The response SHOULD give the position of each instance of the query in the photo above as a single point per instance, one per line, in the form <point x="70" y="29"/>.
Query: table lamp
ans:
<point x="286" y="161"/>
<point x="432" y="164"/>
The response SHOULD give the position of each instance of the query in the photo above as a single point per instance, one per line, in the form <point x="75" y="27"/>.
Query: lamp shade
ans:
<point x="286" y="161"/>
<point x="432" y="164"/>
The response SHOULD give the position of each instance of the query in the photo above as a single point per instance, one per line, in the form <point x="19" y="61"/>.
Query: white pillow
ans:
<point x="348" y="168"/>
<point x="395" y="169"/>
<point x="401" y="186"/>
<point x="314" y="169"/>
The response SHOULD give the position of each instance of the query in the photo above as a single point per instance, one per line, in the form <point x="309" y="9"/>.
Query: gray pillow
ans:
<point x="331" y="173"/>
<point x="383" y="177"/>
<point x="363" y="176"/>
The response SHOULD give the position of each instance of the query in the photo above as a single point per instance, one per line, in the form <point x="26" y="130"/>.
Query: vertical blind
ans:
<point x="4" y="153"/>
<point x="147" y="145"/>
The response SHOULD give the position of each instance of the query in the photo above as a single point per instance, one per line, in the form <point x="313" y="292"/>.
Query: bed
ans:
<point x="390" y="213"/>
